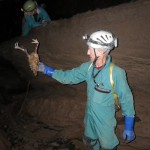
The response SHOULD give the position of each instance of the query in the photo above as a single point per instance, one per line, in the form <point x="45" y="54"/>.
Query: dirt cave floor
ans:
<point x="25" y="132"/>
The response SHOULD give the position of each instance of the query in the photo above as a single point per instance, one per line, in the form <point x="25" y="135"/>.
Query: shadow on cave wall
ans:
<point x="11" y="81"/>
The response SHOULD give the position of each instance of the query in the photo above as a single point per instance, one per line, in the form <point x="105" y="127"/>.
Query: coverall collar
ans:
<point x="108" y="61"/>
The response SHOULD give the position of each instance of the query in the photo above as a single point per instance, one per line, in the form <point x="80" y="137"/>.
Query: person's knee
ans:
<point x="90" y="143"/>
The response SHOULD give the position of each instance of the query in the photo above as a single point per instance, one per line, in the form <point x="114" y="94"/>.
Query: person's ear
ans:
<point x="99" y="52"/>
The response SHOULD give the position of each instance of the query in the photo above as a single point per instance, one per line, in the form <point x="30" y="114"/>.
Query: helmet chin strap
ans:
<point x="96" y="57"/>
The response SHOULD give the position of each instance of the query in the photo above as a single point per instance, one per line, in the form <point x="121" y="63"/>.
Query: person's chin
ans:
<point x="91" y="60"/>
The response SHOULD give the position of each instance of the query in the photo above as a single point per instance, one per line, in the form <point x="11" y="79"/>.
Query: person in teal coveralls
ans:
<point x="34" y="16"/>
<point x="99" y="120"/>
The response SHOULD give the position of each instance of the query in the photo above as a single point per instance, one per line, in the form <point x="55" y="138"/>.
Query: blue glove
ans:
<point x="45" y="69"/>
<point x="128" y="134"/>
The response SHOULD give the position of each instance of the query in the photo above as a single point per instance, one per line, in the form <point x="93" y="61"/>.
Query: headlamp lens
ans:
<point x="86" y="37"/>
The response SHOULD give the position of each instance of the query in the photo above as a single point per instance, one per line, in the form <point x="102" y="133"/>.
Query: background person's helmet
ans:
<point x="29" y="6"/>
<point x="101" y="39"/>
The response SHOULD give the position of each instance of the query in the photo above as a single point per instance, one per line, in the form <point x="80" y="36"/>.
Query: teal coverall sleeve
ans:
<point x="124" y="92"/>
<point x="44" y="15"/>
<point x="28" y="23"/>
<point x="74" y="76"/>
<point x="25" y="27"/>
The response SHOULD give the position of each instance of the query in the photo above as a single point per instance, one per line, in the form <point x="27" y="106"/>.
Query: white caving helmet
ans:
<point x="101" y="39"/>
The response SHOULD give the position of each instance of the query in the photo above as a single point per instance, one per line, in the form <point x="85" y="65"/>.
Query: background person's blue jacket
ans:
<point x="30" y="22"/>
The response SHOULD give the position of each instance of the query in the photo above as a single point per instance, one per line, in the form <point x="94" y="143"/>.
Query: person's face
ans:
<point x="31" y="13"/>
<point x="100" y="53"/>
<point x="91" y="54"/>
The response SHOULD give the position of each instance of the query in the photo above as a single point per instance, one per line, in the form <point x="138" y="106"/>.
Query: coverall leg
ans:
<point x="101" y="126"/>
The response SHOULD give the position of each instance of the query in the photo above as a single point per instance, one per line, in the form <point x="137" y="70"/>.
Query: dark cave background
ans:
<point x="10" y="27"/>
<point x="11" y="15"/>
